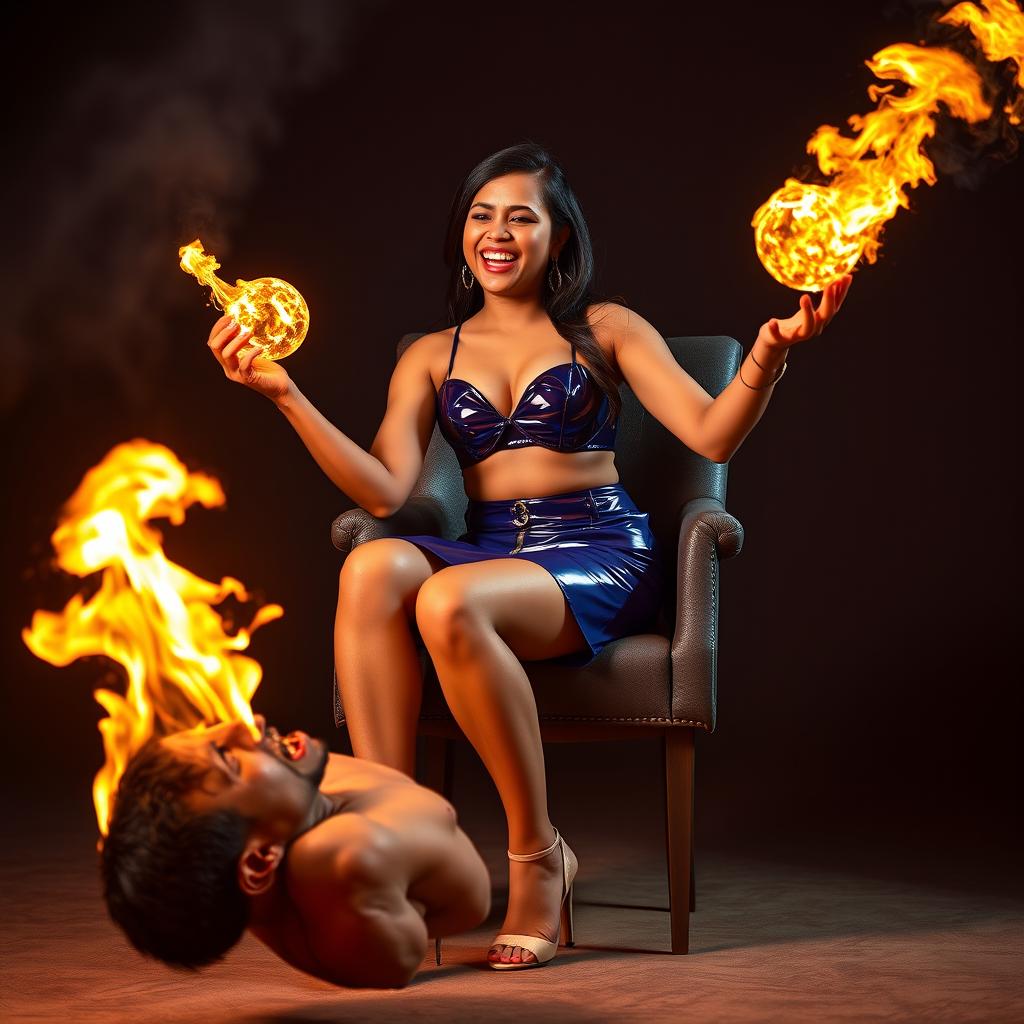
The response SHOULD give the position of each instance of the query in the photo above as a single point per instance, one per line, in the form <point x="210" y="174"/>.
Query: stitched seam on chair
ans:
<point x="714" y="592"/>
<point x="598" y="718"/>
<point x="588" y="718"/>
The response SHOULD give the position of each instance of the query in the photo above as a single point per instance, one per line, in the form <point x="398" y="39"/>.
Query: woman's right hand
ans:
<point x="263" y="375"/>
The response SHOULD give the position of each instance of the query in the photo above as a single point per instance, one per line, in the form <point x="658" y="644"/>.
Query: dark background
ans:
<point x="868" y="677"/>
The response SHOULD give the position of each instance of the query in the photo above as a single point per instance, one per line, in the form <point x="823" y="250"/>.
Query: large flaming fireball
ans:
<point x="274" y="309"/>
<point x="153" y="617"/>
<point x="808" y="235"/>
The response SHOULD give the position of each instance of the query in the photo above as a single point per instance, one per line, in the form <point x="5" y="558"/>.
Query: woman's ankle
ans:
<point x="531" y="840"/>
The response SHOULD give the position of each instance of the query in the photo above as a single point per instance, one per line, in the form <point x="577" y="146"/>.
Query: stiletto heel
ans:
<point x="565" y="932"/>
<point x="437" y="951"/>
<point x="542" y="949"/>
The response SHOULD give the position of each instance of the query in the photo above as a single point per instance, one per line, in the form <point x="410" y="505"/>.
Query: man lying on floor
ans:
<point x="343" y="867"/>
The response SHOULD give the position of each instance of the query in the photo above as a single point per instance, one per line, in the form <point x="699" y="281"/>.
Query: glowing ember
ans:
<point x="809" y="235"/>
<point x="274" y="309"/>
<point x="150" y="615"/>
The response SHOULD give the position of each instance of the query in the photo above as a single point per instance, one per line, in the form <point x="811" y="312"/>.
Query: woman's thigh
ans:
<point x="520" y="599"/>
<point x="387" y="569"/>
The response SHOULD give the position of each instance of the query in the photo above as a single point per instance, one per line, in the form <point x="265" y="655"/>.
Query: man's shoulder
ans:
<point x="334" y="856"/>
<point x="340" y="838"/>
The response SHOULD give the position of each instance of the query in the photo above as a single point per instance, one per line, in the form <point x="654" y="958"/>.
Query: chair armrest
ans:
<point x="420" y="514"/>
<point x="707" y="534"/>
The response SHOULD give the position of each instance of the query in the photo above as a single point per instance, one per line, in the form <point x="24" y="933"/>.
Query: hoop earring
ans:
<point x="462" y="275"/>
<point x="555" y="268"/>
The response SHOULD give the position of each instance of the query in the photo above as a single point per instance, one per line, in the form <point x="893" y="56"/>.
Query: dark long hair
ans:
<point x="567" y="307"/>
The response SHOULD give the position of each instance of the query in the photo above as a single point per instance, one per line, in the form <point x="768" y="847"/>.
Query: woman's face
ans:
<point x="508" y="214"/>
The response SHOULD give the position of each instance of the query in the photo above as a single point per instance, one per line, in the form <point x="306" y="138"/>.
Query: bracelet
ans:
<point x="770" y="383"/>
<point x="760" y="367"/>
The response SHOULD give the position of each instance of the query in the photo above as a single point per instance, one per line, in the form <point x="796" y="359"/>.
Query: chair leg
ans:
<point x="679" y="832"/>
<point x="693" y="867"/>
<point x="440" y="764"/>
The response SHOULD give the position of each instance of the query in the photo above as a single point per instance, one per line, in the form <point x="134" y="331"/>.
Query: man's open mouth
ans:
<point x="291" y="747"/>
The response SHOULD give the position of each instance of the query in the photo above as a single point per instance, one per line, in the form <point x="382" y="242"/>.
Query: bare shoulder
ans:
<point x="613" y="319"/>
<point x="336" y="855"/>
<point x="428" y="346"/>
<point x="429" y="353"/>
<point x="611" y="323"/>
<point x="605" y="314"/>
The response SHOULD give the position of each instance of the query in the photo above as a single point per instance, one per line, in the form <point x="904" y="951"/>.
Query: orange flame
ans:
<point x="809" y="235"/>
<point x="274" y="309"/>
<point x="150" y="615"/>
<point x="999" y="32"/>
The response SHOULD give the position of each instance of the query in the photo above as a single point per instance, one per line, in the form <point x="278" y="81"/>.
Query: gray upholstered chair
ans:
<point x="660" y="685"/>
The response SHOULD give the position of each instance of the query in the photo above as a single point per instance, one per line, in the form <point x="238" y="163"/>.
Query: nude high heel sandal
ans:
<point x="543" y="950"/>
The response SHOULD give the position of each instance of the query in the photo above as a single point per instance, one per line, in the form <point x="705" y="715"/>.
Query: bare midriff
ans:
<point x="534" y="471"/>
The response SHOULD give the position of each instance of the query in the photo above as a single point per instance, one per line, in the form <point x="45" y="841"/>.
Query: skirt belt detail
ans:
<point x="571" y="509"/>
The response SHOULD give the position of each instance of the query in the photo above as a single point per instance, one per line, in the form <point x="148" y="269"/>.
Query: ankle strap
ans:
<point x="535" y="856"/>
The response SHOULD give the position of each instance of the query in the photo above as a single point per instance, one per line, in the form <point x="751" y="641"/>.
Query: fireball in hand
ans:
<point x="273" y="309"/>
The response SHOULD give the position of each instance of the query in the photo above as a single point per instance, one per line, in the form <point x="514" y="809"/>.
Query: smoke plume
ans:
<point x="143" y="156"/>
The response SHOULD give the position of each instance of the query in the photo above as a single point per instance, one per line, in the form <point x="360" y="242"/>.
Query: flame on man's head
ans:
<point x="153" y="617"/>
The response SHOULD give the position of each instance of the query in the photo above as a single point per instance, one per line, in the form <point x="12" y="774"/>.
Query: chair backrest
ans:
<point x="658" y="471"/>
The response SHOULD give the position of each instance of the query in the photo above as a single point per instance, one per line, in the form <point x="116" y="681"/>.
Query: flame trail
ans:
<point x="274" y="309"/>
<point x="1000" y="34"/>
<point x="808" y="235"/>
<point x="153" y="617"/>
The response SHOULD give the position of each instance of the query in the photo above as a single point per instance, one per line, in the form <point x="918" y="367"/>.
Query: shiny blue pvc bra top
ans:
<point x="562" y="408"/>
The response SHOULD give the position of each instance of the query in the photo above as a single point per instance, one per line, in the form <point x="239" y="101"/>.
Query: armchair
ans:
<point x="659" y="685"/>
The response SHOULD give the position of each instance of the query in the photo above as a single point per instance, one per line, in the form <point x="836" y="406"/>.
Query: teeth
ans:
<point x="495" y="257"/>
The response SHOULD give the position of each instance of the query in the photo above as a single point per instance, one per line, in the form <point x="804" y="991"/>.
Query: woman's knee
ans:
<point x="381" y="574"/>
<point x="445" y="613"/>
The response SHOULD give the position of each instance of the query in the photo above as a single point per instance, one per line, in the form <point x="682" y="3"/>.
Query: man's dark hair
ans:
<point x="170" y="874"/>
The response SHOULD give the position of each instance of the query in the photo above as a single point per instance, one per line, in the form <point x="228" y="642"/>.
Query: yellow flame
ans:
<point x="809" y="235"/>
<point x="274" y="309"/>
<point x="1000" y="34"/>
<point x="153" y="617"/>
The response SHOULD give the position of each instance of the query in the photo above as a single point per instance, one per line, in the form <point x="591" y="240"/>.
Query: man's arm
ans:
<point x="458" y="888"/>
<point x="380" y="943"/>
<point x="366" y="933"/>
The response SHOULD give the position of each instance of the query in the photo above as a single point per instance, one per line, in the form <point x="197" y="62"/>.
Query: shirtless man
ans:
<point x="343" y="867"/>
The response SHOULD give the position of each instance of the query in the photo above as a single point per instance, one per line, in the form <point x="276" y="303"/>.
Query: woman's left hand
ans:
<point x="807" y="321"/>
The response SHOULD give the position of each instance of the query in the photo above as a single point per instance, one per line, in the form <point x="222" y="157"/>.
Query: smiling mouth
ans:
<point x="498" y="265"/>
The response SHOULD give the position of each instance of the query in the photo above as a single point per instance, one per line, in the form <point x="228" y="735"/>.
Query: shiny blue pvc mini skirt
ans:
<point x="595" y="542"/>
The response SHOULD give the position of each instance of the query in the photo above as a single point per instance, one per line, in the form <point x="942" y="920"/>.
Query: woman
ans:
<point x="557" y="560"/>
